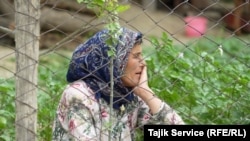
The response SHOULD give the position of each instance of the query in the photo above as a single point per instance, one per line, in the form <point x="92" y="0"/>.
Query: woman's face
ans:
<point x="134" y="67"/>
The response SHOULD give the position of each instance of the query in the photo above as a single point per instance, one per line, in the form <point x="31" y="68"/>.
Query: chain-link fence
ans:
<point x="204" y="73"/>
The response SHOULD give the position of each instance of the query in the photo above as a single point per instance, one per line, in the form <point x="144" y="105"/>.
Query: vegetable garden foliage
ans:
<point x="207" y="82"/>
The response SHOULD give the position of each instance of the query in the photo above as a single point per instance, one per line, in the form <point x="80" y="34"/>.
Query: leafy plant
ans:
<point x="51" y="84"/>
<point x="109" y="9"/>
<point x="7" y="108"/>
<point x="208" y="80"/>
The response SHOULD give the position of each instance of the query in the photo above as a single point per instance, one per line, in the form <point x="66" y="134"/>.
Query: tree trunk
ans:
<point x="70" y="5"/>
<point x="27" y="32"/>
<point x="63" y="21"/>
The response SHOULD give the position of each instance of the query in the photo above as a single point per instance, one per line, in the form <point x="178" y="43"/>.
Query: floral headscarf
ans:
<point x="91" y="63"/>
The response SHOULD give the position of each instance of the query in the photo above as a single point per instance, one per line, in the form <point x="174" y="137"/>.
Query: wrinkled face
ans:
<point x="133" y="68"/>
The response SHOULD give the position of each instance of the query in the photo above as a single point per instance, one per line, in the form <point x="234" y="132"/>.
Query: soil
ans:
<point x="140" y="20"/>
<point x="7" y="64"/>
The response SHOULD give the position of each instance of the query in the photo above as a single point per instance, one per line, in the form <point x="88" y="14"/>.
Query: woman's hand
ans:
<point x="143" y="82"/>
<point x="146" y="94"/>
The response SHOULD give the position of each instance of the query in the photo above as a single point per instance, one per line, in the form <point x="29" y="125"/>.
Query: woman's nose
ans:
<point x="142" y="62"/>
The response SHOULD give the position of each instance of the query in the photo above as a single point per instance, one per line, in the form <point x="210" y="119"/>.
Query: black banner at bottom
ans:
<point x="197" y="132"/>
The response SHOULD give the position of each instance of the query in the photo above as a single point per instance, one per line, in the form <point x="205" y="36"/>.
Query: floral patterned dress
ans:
<point x="80" y="117"/>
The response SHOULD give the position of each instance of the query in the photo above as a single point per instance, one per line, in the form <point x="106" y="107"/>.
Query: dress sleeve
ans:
<point x="74" y="119"/>
<point x="165" y="115"/>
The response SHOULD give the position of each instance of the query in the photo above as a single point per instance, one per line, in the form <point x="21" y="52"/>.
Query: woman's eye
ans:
<point x="137" y="55"/>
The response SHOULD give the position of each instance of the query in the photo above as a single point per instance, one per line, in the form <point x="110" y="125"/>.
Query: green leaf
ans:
<point x="122" y="8"/>
<point x="80" y="1"/>
<point x="111" y="53"/>
<point x="3" y="122"/>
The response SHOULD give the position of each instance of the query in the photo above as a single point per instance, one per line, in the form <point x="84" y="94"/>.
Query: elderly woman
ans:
<point x="84" y="109"/>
